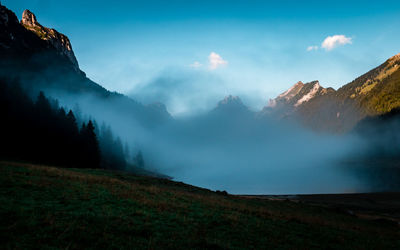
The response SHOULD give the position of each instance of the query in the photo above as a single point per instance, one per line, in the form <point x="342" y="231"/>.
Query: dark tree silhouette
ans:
<point x="138" y="160"/>
<point x="113" y="156"/>
<point x="42" y="132"/>
<point x="90" y="151"/>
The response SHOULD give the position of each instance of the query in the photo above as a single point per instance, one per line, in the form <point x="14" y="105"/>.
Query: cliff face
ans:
<point x="60" y="41"/>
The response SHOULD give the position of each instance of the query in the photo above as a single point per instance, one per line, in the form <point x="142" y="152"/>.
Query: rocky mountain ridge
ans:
<point x="59" y="41"/>
<point x="296" y="96"/>
<point x="43" y="58"/>
<point x="325" y="109"/>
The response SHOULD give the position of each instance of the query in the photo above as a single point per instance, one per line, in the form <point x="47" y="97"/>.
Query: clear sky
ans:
<point x="190" y="54"/>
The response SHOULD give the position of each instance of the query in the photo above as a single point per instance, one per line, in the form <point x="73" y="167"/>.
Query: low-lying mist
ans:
<point x="254" y="157"/>
<point x="236" y="151"/>
<point x="232" y="149"/>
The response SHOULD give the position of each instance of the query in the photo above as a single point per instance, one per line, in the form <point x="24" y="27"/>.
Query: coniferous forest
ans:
<point x="41" y="131"/>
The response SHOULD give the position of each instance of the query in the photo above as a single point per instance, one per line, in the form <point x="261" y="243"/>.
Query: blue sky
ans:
<point x="162" y="50"/>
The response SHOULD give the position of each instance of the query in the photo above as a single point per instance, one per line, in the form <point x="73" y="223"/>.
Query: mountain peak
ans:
<point x="299" y="83"/>
<point x="231" y="104"/>
<point x="290" y="93"/>
<point x="311" y="92"/>
<point x="231" y="100"/>
<point x="298" y="94"/>
<point x="29" y="19"/>
<point x="58" y="40"/>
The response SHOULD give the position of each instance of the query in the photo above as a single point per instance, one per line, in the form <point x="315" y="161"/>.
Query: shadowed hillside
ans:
<point x="75" y="209"/>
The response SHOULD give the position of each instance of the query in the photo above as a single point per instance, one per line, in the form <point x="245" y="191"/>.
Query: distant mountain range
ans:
<point x="325" y="109"/>
<point x="322" y="109"/>
<point x="41" y="58"/>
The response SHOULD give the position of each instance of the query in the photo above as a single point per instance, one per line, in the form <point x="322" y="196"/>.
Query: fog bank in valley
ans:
<point x="254" y="157"/>
<point x="232" y="148"/>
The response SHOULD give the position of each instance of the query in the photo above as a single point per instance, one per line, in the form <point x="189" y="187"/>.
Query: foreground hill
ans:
<point x="48" y="207"/>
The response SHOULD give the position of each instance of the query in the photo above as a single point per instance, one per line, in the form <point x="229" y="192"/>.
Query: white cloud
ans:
<point x="332" y="42"/>
<point x="310" y="48"/>
<point x="215" y="61"/>
<point x="195" y="64"/>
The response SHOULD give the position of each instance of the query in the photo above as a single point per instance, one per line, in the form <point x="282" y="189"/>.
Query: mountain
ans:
<point x="298" y="95"/>
<point x="231" y="105"/>
<point x="233" y="113"/>
<point x="42" y="58"/>
<point x="374" y="93"/>
<point x="58" y="40"/>
<point x="377" y="91"/>
<point x="28" y="46"/>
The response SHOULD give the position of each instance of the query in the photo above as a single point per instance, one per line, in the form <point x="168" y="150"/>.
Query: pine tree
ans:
<point x="127" y="152"/>
<point x="91" y="145"/>
<point x="43" y="104"/>
<point x="138" y="160"/>
<point x="71" y="120"/>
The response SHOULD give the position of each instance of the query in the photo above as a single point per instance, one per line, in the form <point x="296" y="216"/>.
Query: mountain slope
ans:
<point x="42" y="59"/>
<point x="376" y="92"/>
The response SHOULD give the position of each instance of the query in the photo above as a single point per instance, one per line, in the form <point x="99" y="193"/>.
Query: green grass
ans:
<point x="48" y="207"/>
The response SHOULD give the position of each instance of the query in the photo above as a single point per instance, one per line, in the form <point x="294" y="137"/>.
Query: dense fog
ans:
<point x="231" y="148"/>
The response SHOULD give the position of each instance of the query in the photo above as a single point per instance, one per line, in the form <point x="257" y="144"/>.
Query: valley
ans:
<point x="86" y="167"/>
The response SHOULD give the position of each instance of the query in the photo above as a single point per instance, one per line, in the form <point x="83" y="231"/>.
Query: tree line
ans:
<point x="41" y="131"/>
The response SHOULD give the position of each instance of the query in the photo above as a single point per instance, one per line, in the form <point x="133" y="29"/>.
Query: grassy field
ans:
<point x="48" y="207"/>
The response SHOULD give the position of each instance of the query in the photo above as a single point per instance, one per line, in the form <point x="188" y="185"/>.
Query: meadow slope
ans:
<point x="48" y="207"/>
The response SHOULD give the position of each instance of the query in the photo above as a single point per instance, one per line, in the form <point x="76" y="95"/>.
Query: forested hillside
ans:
<point x="42" y="131"/>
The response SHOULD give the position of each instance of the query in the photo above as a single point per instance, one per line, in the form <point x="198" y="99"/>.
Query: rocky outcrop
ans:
<point x="15" y="41"/>
<point x="295" y="97"/>
<point x="58" y="40"/>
